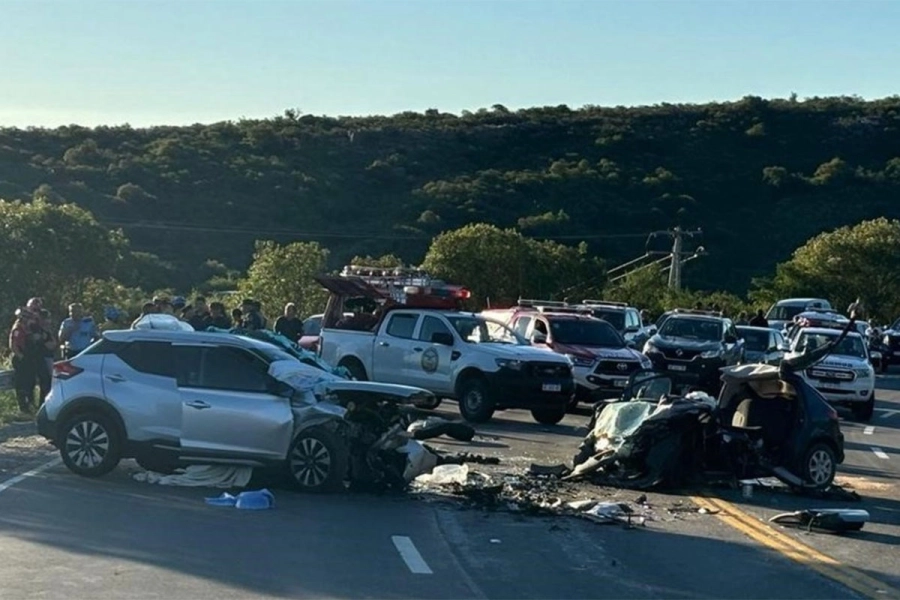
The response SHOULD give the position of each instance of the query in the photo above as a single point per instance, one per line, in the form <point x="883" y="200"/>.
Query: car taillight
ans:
<point x="65" y="370"/>
<point x="463" y="294"/>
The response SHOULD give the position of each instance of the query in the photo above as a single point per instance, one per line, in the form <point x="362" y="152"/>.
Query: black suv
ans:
<point x="691" y="346"/>
<point x="624" y="319"/>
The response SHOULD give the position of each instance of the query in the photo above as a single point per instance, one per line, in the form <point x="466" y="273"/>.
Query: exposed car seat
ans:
<point x="773" y="415"/>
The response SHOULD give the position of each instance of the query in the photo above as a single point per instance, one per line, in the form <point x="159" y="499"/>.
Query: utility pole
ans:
<point x="676" y="257"/>
<point x="675" y="271"/>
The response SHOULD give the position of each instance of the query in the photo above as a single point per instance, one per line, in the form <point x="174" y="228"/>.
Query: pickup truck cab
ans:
<point x="481" y="363"/>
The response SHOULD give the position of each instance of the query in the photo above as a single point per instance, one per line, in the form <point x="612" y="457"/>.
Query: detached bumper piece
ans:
<point x="832" y="520"/>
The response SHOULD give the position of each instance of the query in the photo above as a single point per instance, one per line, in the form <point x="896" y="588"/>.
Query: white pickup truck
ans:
<point x="481" y="363"/>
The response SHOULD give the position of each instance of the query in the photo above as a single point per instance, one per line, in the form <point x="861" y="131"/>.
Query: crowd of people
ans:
<point x="36" y="343"/>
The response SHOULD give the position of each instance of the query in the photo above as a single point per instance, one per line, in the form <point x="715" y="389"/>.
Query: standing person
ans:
<point x="178" y="304"/>
<point x="252" y="320"/>
<point x="77" y="332"/>
<point x="201" y="319"/>
<point x="111" y="316"/>
<point x="237" y="318"/>
<point x="257" y="306"/>
<point x="288" y="324"/>
<point x="742" y="319"/>
<point x="759" y="320"/>
<point x="148" y="308"/>
<point x="187" y="313"/>
<point x="45" y="354"/>
<point x="217" y="316"/>
<point x="23" y="370"/>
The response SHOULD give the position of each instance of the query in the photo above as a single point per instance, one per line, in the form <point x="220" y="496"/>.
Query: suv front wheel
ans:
<point x="318" y="460"/>
<point x="90" y="444"/>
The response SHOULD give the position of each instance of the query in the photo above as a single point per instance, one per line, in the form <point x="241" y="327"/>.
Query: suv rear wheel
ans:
<point x="820" y="466"/>
<point x="90" y="444"/>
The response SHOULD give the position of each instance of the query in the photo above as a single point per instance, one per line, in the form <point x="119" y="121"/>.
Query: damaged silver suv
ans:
<point x="172" y="398"/>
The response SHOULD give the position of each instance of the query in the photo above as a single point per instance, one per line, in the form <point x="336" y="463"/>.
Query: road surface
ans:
<point x="66" y="536"/>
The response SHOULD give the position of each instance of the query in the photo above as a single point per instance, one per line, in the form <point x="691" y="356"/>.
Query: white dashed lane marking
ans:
<point x="20" y="478"/>
<point x="869" y="430"/>
<point x="410" y="555"/>
<point x="879" y="452"/>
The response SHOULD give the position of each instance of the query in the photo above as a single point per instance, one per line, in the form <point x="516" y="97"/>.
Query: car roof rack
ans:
<point x="604" y="303"/>
<point x="694" y="311"/>
<point x="532" y="303"/>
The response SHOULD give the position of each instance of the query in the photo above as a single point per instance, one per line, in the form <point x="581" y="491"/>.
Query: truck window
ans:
<point x="522" y="325"/>
<point x="430" y="326"/>
<point x="402" y="325"/>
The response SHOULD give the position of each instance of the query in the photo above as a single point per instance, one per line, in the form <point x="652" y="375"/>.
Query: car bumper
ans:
<point x="599" y="386"/>
<point x="513" y="389"/>
<point x="843" y="396"/>
<point x="45" y="427"/>
<point x="704" y="372"/>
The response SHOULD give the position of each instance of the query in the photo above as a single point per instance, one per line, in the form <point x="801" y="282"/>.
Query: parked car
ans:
<point x="169" y="398"/>
<point x="482" y="363"/>
<point x="692" y="346"/>
<point x="601" y="358"/>
<point x="762" y="344"/>
<point x="783" y="312"/>
<point x="845" y="377"/>
<point x="891" y="345"/>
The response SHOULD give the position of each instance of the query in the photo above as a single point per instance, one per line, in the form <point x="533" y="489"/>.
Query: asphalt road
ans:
<point x="66" y="536"/>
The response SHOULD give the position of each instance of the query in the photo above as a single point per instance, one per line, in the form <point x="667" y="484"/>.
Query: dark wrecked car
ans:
<point x="171" y="398"/>
<point x="767" y="421"/>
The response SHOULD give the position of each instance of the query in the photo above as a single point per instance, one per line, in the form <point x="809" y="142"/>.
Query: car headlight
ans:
<point x="646" y="363"/>
<point x="886" y="340"/>
<point x="509" y="363"/>
<point x="711" y="353"/>
<point x="580" y="361"/>
<point x="864" y="372"/>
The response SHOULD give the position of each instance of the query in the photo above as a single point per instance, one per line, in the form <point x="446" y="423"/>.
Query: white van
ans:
<point x="783" y="312"/>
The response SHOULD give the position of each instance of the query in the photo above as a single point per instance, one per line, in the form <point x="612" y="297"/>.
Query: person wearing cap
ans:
<point x="288" y="324"/>
<point x="111" y="316"/>
<point x="178" y="304"/>
<point x="77" y="332"/>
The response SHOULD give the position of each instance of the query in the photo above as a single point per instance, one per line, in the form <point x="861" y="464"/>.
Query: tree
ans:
<point x="501" y="265"/>
<point x="51" y="251"/>
<point x="853" y="261"/>
<point x="282" y="274"/>
<point x="388" y="261"/>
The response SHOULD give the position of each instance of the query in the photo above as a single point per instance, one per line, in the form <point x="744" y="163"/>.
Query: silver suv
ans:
<point x="168" y="398"/>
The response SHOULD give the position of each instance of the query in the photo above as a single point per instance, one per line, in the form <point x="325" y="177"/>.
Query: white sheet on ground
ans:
<point x="215" y="476"/>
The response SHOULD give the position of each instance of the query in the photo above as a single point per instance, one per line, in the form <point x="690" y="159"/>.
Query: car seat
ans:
<point x="773" y="417"/>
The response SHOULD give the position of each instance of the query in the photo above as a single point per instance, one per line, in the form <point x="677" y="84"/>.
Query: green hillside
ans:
<point x="759" y="177"/>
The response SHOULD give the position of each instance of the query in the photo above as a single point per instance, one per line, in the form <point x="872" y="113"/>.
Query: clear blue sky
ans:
<point x="171" y="62"/>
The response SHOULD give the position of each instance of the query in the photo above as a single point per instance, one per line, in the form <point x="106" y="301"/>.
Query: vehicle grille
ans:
<point x="617" y="367"/>
<point x="539" y="369"/>
<point x="821" y="374"/>
<point x="672" y="353"/>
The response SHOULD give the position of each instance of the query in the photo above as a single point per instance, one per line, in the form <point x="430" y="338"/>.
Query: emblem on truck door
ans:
<point x="430" y="360"/>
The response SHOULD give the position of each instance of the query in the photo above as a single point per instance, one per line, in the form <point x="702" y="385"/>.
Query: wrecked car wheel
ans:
<point x="475" y="404"/>
<point x="820" y="466"/>
<point x="548" y="416"/>
<point x="318" y="461"/>
<point x="91" y="445"/>
<point x="864" y="411"/>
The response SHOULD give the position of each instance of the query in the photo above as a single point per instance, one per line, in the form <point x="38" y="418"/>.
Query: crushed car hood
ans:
<point x="599" y="351"/>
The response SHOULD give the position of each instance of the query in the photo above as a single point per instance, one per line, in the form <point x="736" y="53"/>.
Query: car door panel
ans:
<point x="139" y="380"/>
<point x="394" y="356"/>
<point x="433" y="367"/>
<point x="226" y="408"/>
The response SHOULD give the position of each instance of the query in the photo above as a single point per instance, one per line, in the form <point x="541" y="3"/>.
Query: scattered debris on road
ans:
<point x="830" y="520"/>
<point x="251" y="500"/>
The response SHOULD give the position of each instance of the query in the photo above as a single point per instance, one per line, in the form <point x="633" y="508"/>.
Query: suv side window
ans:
<point x="188" y="362"/>
<point x="402" y="325"/>
<point x="226" y="368"/>
<point x="430" y="326"/>
<point x="153" y="358"/>
<point x="521" y="326"/>
<point x="633" y="319"/>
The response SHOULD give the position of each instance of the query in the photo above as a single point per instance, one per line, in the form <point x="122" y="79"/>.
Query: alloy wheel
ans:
<point x="310" y="462"/>
<point x="820" y="466"/>
<point x="87" y="444"/>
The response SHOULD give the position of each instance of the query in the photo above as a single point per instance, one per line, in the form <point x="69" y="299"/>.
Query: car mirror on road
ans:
<point x="442" y="338"/>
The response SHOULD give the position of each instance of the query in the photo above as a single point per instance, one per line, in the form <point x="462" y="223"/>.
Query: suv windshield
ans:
<point x="697" y="329"/>
<point x="476" y="330"/>
<point x="784" y="313"/>
<point x="616" y="318"/>
<point x="757" y="341"/>
<point x="850" y="346"/>
<point x="584" y="332"/>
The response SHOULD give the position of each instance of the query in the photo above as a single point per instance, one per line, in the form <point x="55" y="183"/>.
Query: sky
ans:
<point x="143" y="62"/>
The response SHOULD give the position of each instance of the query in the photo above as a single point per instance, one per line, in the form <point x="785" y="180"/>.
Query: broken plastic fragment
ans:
<point x="445" y="474"/>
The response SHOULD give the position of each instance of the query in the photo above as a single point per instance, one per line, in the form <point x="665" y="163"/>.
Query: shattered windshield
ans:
<point x="476" y="330"/>
<point x="757" y="341"/>
<point x="850" y="346"/>
<point x="696" y="329"/>
<point x="616" y="318"/>
<point x="582" y="332"/>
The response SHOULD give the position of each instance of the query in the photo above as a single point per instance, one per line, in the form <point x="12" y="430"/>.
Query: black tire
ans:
<point x="318" y="461"/>
<point x="548" y="416"/>
<point x="357" y="371"/>
<point x="863" y="412"/>
<point x="475" y="404"/>
<point x="819" y="466"/>
<point x="90" y="444"/>
<point x="572" y="406"/>
<point x="157" y="464"/>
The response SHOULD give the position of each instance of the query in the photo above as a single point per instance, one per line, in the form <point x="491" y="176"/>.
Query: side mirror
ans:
<point x="538" y="338"/>
<point x="443" y="338"/>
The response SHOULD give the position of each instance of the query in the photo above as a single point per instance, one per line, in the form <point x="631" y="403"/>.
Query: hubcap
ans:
<point x="87" y="444"/>
<point x="820" y="467"/>
<point x="310" y="462"/>
<point x="473" y="400"/>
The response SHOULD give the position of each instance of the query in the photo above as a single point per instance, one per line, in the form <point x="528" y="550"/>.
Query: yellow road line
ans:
<point x="795" y="550"/>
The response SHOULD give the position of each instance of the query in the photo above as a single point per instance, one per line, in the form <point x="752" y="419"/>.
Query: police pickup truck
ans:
<point x="845" y="377"/>
<point x="479" y="362"/>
